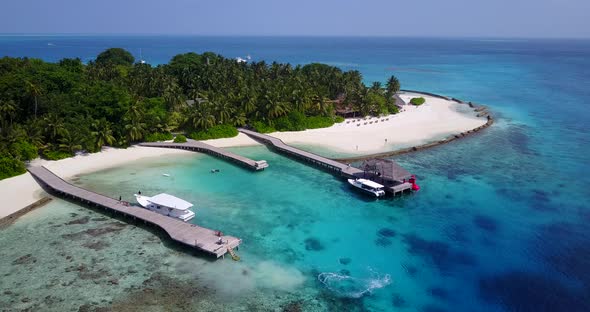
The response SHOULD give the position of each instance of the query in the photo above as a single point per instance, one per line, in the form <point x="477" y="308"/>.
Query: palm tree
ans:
<point x="103" y="134"/>
<point x="34" y="91"/>
<point x="133" y="119"/>
<point x="69" y="143"/>
<point x="223" y="111"/>
<point x="376" y="86"/>
<point x="140" y="79"/>
<point x="273" y="106"/>
<point x="362" y="104"/>
<point x="54" y="126"/>
<point x="321" y="105"/>
<point x="7" y="112"/>
<point x="300" y="96"/>
<point x="277" y="109"/>
<point x="135" y="130"/>
<point x="158" y="126"/>
<point x="392" y="86"/>
<point x="197" y="95"/>
<point x="247" y="101"/>
<point x="34" y="131"/>
<point x="172" y="95"/>
<point x="135" y="111"/>
<point x="201" y="117"/>
<point x="238" y="119"/>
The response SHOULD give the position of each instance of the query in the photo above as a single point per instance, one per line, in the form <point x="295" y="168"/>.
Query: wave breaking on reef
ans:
<point x="353" y="287"/>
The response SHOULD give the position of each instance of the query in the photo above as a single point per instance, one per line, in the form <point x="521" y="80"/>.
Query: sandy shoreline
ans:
<point x="21" y="191"/>
<point x="414" y="126"/>
<point x="240" y="140"/>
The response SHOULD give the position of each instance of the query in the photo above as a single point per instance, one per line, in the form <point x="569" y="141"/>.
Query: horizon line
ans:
<point x="294" y="36"/>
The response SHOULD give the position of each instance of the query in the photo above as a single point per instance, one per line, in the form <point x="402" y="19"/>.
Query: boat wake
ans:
<point x="352" y="287"/>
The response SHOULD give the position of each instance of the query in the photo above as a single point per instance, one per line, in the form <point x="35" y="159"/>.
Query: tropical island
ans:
<point x="50" y="112"/>
<point x="57" y="109"/>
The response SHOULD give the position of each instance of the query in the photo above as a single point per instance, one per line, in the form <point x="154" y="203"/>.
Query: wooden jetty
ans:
<point x="185" y="233"/>
<point x="399" y="188"/>
<point x="329" y="164"/>
<point x="393" y="175"/>
<point x="388" y="173"/>
<point x="197" y="146"/>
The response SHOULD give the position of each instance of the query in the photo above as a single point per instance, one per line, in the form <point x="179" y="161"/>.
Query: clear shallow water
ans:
<point x="499" y="225"/>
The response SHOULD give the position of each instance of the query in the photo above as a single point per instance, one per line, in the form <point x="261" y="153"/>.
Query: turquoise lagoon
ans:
<point x="500" y="223"/>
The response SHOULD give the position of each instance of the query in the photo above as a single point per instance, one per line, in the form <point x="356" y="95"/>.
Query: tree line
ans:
<point x="54" y="110"/>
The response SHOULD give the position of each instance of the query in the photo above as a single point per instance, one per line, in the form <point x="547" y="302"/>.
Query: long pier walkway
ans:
<point x="197" y="146"/>
<point x="278" y="144"/>
<point x="185" y="233"/>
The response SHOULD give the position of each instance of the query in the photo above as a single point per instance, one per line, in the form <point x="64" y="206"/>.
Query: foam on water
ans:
<point x="353" y="287"/>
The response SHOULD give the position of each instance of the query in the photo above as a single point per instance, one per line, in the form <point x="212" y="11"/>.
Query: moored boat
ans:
<point x="368" y="187"/>
<point x="167" y="205"/>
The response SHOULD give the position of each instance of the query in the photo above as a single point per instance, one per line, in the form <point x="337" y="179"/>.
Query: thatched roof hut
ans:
<point x="386" y="169"/>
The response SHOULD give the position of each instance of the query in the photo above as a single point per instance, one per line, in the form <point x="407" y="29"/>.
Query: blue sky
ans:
<point x="433" y="18"/>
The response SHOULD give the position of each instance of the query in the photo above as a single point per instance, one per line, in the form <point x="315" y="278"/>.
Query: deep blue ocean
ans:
<point x="501" y="222"/>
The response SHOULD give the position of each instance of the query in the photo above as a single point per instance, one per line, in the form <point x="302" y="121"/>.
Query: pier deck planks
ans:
<point x="400" y="188"/>
<point x="198" y="146"/>
<point x="188" y="234"/>
<point x="338" y="167"/>
<point x="343" y="169"/>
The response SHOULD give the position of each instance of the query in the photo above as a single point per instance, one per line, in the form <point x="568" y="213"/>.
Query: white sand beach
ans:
<point x="21" y="191"/>
<point x="239" y="140"/>
<point x="415" y="125"/>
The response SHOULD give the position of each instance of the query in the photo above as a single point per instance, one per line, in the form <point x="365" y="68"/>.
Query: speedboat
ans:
<point x="167" y="205"/>
<point x="368" y="187"/>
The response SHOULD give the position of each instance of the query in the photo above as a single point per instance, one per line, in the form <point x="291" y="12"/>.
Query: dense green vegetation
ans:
<point x="417" y="101"/>
<point x="297" y="121"/>
<point x="57" y="109"/>
<point x="180" y="139"/>
<point x="10" y="167"/>
<point x="215" y="132"/>
<point x="158" y="136"/>
<point x="115" y="56"/>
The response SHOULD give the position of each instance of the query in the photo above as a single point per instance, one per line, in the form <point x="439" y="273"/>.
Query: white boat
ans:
<point x="141" y="60"/>
<point x="167" y="205"/>
<point x="368" y="186"/>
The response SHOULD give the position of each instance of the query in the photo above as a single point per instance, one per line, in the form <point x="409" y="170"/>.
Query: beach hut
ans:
<point x="398" y="101"/>
<point x="386" y="170"/>
<point x="344" y="110"/>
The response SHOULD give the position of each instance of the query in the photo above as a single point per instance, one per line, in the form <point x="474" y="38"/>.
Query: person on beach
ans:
<point x="119" y="197"/>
